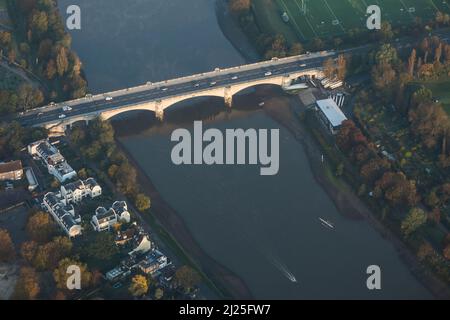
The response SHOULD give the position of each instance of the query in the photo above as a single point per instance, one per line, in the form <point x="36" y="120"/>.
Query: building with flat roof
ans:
<point x="11" y="170"/>
<point x="53" y="159"/>
<point x="330" y="114"/>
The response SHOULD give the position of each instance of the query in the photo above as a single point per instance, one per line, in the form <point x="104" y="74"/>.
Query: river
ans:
<point x="265" y="229"/>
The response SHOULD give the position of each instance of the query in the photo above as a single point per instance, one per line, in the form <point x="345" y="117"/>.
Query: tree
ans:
<point x="41" y="227"/>
<point x="413" y="221"/>
<point x="159" y="293"/>
<point x="60" y="274"/>
<point x="446" y="252"/>
<point x="139" y="286"/>
<point x="100" y="246"/>
<point x="126" y="178"/>
<point x="239" y="6"/>
<point x="397" y="189"/>
<point x="329" y="68"/>
<point x="27" y="287"/>
<point x="62" y="62"/>
<point x="49" y="254"/>
<point x="7" y="251"/>
<point x="296" y="49"/>
<point x="28" y="97"/>
<point x="28" y="250"/>
<point x="142" y="202"/>
<point x="186" y="277"/>
<point x="341" y="68"/>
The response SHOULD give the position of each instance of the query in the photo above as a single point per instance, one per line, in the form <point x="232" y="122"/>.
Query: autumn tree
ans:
<point x="186" y="277"/>
<point x="239" y="6"/>
<point x="7" y="251"/>
<point x="142" y="202"/>
<point x="41" y="227"/>
<point x="49" y="254"/>
<point x="27" y="286"/>
<point x="395" y="188"/>
<point x="413" y="221"/>
<point x="60" y="274"/>
<point x="138" y="286"/>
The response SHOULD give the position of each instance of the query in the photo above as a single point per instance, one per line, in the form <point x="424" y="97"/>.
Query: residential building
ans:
<point x="153" y="262"/>
<point x="75" y="192"/>
<point x="63" y="213"/>
<point x="330" y="115"/>
<point x="11" y="170"/>
<point x="53" y="159"/>
<point x="142" y="244"/>
<point x="105" y="219"/>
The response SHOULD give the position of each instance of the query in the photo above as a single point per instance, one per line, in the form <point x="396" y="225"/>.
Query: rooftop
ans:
<point x="10" y="166"/>
<point x="331" y="110"/>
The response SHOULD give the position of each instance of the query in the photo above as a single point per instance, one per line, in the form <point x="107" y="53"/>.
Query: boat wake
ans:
<point x="284" y="270"/>
<point x="326" y="223"/>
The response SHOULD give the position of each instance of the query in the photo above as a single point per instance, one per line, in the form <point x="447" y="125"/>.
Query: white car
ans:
<point x="212" y="84"/>
<point x="164" y="89"/>
<point x="234" y="78"/>
<point x="40" y="114"/>
<point x="62" y="116"/>
<point x="303" y="65"/>
<point x="197" y="85"/>
<point x="66" y="108"/>
<point x="108" y="98"/>
<point x="268" y="73"/>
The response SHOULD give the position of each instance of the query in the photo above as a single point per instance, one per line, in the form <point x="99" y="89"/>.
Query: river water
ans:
<point x="265" y="229"/>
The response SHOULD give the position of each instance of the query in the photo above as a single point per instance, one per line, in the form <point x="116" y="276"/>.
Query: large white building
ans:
<point x="55" y="162"/>
<point x="330" y="114"/>
<point x="105" y="219"/>
<point x="75" y="192"/>
<point x="63" y="213"/>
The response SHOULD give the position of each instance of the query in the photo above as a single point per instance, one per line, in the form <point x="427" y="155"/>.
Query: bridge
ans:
<point x="157" y="97"/>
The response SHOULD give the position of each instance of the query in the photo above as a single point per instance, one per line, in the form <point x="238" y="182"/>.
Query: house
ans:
<point x="142" y="244"/>
<point x="153" y="262"/>
<point x="75" y="192"/>
<point x="330" y="114"/>
<point x="124" y="237"/>
<point x="103" y="219"/>
<point x="63" y="213"/>
<point x="121" y="209"/>
<point x="11" y="170"/>
<point x="53" y="159"/>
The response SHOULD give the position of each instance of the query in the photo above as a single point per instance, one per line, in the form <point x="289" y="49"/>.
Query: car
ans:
<point x="62" y="116"/>
<point x="197" y="85"/>
<point x="303" y="65"/>
<point x="108" y="98"/>
<point x="40" y="114"/>
<point x="52" y="103"/>
<point x="234" y="78"/>
<point x="21" y="113"/>
<point x="66" y="108"/>
<point x="164" y="89"/>
<point x="213" y="83"/>
<point x="268" y="73"/>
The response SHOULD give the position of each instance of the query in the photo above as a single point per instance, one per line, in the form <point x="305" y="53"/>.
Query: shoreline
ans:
<point x="171" y="221"/>
<point x="346" y="200"/>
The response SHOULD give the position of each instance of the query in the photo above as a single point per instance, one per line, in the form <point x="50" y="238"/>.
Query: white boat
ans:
<point x="326" y="223"/>
<point x="261" y="104"/>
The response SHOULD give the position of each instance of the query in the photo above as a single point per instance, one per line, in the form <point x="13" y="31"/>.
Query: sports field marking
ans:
<point x="293" y="19"/>
<point x="332" y="12"/>
<point x="407" y="9"/>
<point x="306" y="18"/>
<point x="432" y="2"/>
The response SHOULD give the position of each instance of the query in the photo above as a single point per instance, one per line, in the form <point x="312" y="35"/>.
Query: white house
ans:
<point x="105" y="219"/>
<point x="330" y="114"/>
<point x="63" y="213"/>
<point x="75" y="192"/>
<point x="55" y="162"/>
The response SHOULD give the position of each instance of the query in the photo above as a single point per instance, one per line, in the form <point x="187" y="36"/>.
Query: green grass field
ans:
<point x="327" y="18"/>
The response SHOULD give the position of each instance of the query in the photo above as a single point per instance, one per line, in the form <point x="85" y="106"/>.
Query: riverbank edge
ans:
<point x="345" y="200"/>
<point x="233" y="33"/>
<point x="226" y="283"/>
